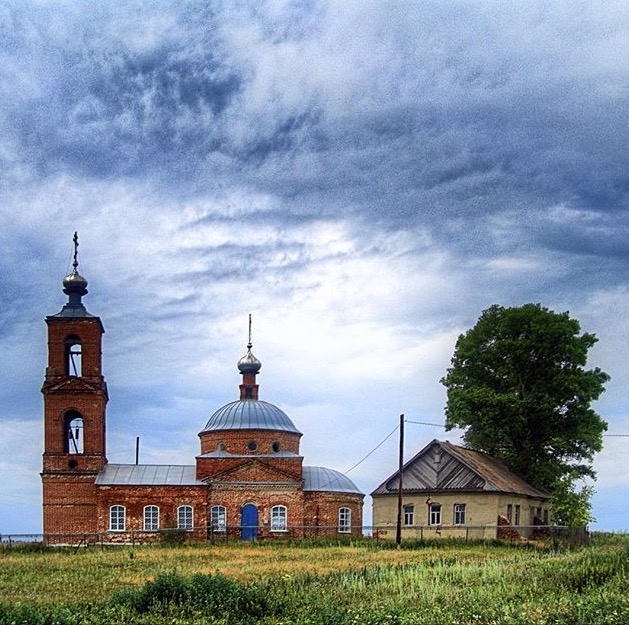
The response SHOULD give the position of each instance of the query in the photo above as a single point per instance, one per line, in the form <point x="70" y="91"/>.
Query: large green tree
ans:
<point x="519" y="387"/>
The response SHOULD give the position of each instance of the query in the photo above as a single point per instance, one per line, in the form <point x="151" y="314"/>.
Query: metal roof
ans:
<point x="148" y="475"/>
<point x="324" y="479"/>
<point x="250" y="414"/>
<point x="444" y="467"/>
<point x="315" y="478"/>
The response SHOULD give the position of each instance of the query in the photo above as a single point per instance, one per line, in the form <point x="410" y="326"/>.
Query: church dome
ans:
<point x="250" y="414"/>
<point x="328" y="480"/>
<point x="74" y="283"/>
<point x="249" y="363"/>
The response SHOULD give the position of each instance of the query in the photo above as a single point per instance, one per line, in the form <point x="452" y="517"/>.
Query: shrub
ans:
<point x="214" y="595"/>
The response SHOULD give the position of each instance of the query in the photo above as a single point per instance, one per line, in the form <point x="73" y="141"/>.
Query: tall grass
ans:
<point x="319" y="585"/>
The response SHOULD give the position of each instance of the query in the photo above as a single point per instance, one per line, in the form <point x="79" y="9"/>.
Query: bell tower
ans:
<point x="75" y="398"/>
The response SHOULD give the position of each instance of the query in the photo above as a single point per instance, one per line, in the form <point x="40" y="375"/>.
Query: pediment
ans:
<point x="253" y="471"/>
<point x="72" y="384"/>
<point x="435" y="468"/>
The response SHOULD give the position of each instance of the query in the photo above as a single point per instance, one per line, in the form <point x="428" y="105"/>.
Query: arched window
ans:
<point x="185" y="518"/>
<point x="117" y="519"/>
<point x="345" y="520"/>
<point x="73" y="437"/>
<point x="74" y="355"/>
<point x="151" y="518"/>
<point x="278" y="519"/>
<point x="219" y="519"/>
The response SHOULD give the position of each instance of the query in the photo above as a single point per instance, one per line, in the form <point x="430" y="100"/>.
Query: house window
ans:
<point x="546" y="517"/>
<point x="74" y="432"/>
<point x="509" y="512"/>
<point x="278" y="519"/>
<point x="434" y="515"/>
<point x="517" y="515"/>
<point x="459" y="514"/>
<point x="74" y="356"/>
<point x="151" y="518"/>
<point x="219" y="519"/>
<point x="345" y="520"/>
<point x="409" y="514"/>
<point x="185" y="518"/>
<point x="117" y="518"/>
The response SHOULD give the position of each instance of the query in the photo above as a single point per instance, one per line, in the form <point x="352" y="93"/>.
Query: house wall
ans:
<point x="481" y="514"/>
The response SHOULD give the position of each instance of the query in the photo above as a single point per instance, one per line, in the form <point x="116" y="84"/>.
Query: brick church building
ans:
<point x="248" y="480"/>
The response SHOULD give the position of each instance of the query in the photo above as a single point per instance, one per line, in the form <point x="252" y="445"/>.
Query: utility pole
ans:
<point x="398" y="530"/>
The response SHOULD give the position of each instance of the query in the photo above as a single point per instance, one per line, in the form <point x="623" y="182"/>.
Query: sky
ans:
<point x="364" y="177"/>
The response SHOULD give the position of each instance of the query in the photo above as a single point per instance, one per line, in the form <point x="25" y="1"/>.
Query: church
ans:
<point x="248" y="481"/>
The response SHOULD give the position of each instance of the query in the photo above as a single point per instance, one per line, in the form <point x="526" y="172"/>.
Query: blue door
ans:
<point x="249" y="522"/>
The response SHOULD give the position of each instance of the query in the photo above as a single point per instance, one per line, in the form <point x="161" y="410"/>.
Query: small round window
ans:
<point x="276" y="446"/>
<point x="252" y="445"/>
<point x="220" y="447"/>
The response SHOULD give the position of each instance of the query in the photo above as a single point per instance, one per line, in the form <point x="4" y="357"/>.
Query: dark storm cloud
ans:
<point x="483" y="127"/>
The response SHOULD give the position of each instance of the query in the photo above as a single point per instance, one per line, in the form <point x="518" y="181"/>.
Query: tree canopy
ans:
<point x="519" y="387"/>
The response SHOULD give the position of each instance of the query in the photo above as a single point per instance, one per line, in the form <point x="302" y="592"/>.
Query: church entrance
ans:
<point x="249" y="522"/>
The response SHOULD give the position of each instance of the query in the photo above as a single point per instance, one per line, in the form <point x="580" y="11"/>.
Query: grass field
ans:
<point x="364" y="583"/>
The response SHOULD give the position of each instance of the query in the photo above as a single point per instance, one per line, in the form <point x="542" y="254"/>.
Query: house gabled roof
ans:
<point x="444" y="467"/>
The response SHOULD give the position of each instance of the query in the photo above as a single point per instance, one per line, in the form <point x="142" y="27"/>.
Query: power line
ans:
<point x="388" y="436"/>
<point x="441" y="425"/>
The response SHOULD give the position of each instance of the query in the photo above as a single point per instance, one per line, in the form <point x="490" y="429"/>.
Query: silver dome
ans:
<point x="250" y="414"/>
<point x="249" y="363"/>
<point x="324" y="479"/>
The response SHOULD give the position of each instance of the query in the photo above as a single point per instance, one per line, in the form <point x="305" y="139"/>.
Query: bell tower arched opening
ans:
<point x="73" y="356"/>
<point x="73" y="428"/>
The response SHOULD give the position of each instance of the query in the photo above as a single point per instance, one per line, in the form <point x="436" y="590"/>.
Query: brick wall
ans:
<point x="70" y="504"/>
<point x="135" y="498"/>
<point x="322" y="511"/>
<point x="237" y="441"/>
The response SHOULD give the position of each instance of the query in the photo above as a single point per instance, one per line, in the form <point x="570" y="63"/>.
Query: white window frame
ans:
<point x="150" y="518"/>
<point x="117" y="518"/>
<point x="218" y="516"/>
<point x="279" y="519"/>
<point x="409" y="514"/>
<point x="459" y="514"/>
<point x="434" y="514"/>
<point x="345" y="520"/>
<point x="185" y="518"/>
